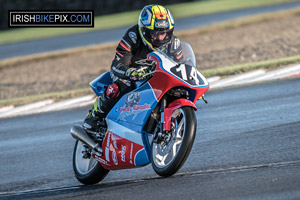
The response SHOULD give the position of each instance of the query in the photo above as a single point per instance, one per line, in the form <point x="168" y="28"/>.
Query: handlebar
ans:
<point x="145" y="76"/>
<point x="147" y="67"/>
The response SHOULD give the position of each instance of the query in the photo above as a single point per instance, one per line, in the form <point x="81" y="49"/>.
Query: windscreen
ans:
<point x="185" y="68"/>
<point x="188" y="56"/>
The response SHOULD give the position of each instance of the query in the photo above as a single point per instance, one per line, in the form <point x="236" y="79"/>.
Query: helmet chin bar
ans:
<point x="155" y="33"/>
<point x="158" y="43"/>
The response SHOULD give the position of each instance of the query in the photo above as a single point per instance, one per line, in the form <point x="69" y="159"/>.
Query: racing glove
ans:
<point x="136" y="74"/>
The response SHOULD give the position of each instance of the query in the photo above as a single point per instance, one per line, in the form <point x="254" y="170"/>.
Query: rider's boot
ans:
<point x="96" y="116"/>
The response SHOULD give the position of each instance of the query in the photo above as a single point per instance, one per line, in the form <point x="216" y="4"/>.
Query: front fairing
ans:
<point x="170" y="74"/>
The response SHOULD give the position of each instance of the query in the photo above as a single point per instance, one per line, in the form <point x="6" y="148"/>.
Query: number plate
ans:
<point x="188" y="74"/>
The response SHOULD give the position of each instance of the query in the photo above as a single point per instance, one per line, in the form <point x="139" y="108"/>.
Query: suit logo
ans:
<point x="133" y="36"/>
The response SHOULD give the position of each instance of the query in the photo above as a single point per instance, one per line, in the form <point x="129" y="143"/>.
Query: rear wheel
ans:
<point x="170" y="153"/>
<point x="87" y="170"/>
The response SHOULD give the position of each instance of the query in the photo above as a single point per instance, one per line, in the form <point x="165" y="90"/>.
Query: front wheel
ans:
<point x="169" y="154"/>
<point x="87" y="170"/>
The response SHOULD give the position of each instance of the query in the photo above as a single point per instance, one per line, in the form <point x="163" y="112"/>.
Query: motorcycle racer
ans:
<point x="154" y="30"/>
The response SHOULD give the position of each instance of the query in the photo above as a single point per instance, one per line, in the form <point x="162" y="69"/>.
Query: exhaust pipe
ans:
<point x="80" y="134"/>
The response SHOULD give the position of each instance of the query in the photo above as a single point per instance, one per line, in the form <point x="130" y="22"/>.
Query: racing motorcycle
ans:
<point x="155" y="123"/>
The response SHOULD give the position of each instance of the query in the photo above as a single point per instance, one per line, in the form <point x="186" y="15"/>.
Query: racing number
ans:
<point x="183" y="70"/>
<point x="194" y="75"/>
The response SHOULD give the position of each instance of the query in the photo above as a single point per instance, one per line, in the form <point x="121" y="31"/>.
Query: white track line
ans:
<point x="6" y="108"/>
<point x="276" y="74"/>
<point x="229" y="81"/>
<point x="68" y="103"/>
<point x="48" y="105"/>
<point x="213" y="79"/>
<point x="22" y="109"/>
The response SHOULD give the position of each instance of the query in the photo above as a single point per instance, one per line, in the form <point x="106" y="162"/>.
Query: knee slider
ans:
<point x="112" y="91"/>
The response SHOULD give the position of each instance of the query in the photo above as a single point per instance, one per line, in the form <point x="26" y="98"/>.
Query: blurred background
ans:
<point x="100" y="7"/>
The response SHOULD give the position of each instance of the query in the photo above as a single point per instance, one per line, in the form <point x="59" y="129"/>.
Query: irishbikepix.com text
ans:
<point x="51" y="18"/>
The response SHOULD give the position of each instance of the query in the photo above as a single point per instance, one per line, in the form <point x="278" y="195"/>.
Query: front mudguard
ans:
<point x="178" y="103"/>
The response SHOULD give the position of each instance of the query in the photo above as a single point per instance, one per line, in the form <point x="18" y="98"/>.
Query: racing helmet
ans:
<point x="156" y="26"/>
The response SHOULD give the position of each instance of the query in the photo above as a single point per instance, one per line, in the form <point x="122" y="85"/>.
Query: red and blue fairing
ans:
<point x="173" y="75"/>
<point x="126" y="145"/>
<point x="169" y="74"/>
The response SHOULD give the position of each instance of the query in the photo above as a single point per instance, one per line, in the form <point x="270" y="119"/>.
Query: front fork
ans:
<point x="166" y="115"/>
<point x="159" y="134"/>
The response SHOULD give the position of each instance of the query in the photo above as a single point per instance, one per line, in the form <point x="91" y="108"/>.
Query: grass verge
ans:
<point x="181" y="10"/>
<point x="237" y="69"/>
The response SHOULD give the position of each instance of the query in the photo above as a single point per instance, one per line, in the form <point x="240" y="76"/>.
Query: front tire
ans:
<point x="170" y="154"/>
<point x="87" y="170"/>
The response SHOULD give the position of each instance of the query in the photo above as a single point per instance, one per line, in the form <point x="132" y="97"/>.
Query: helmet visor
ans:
<point x="158" y="37"/>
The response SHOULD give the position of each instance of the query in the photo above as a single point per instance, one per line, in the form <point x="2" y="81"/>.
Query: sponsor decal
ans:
<point x="162" y="24"/>
<point x="131" y="148"/>
<point x="114" y="157"/>
<point x="131" y="106"/>
<point x="133" y="99"/>
<point x="133" y="36"/>
<point x="118" y="70"/>
<point x="135" y="108"/>
<point x="112" y="90"/>
<point x="141" y="107"/>
<point x="107" y="147"/>
<point x="99" y="159"/>
<point x="121" y="157"/>
<point x="118" y="58"/>
<point x="115" y="144"/>
<point x="176" y="43"/>
<point x="107" y="154"/>
<point x="123" y="153"/>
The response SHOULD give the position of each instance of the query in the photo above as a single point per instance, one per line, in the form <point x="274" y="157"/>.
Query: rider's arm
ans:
<point x="121" y="62"/>
<point x="175" y="48"/>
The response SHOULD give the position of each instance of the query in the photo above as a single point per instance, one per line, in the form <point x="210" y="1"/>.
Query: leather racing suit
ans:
<point x="130" y="49"/>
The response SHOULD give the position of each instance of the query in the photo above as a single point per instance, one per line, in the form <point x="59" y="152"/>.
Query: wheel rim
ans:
<point x="83" y="165"/>
<point x="164" y="153"/>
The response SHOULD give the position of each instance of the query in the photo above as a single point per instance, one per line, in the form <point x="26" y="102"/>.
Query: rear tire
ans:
<point x="87" y="170"/>
<point x="167" y="158"/>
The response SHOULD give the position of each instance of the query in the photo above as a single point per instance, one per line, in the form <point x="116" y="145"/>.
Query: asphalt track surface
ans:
<point x="105" y="36"/>
<point x="247" y="147"/>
